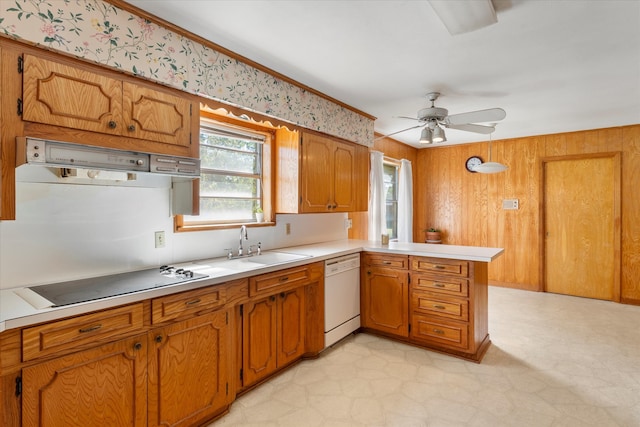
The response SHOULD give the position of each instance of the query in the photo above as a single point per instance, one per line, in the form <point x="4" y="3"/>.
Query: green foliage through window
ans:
<point x="231" y="175"/>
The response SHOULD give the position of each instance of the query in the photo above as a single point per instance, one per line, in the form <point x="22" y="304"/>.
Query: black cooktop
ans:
<point x="65" y="293"/>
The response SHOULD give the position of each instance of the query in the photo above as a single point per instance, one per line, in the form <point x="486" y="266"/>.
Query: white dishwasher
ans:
<point x="341" y="297"/>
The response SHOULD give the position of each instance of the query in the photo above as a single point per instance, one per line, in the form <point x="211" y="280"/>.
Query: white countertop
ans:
<point x="16" y="312"/>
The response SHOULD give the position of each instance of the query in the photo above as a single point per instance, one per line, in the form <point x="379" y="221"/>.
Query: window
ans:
<point x="232" y="185"/>
<point x="390" y="178"/>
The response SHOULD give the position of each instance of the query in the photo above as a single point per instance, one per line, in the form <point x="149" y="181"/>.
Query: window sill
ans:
<point x="226" y="226"/>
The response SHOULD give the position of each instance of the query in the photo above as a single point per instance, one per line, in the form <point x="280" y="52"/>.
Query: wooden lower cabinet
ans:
<point x="188" y="370"/>
<point x="440" y="304"/>
<point x="273" y="333"/>
<point x="106" y="385"/>
<point x="385" y="299"/>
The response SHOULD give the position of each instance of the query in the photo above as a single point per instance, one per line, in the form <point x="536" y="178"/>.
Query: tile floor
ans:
<point x="555" y="361"/>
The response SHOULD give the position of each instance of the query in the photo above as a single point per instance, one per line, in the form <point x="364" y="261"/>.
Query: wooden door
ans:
<point x="582" y="226"/>
<point x="63" y="95"/>
<point x="259" y="339"/>
<point x="104" y="386"/>
<point x="291" y="326"/>
<point x="156" y="116"/>
<point x="316" y="174"/>
<point x="385" y="300"/>
<point x="188" y="370"/>
<point x="344" y="177"/>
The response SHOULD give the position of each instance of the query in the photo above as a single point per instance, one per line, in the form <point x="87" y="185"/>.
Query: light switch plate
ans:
<point x="160" y="242"/>
<point x="510" y="204"/>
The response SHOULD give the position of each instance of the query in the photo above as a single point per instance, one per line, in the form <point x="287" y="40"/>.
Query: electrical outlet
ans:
<point x="160" y="239"/>
<point x="287" y="228"/>
<point x="348" y="223"/>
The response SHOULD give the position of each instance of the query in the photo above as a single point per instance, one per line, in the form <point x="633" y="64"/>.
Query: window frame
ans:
<point x="396" y="165"/>
<point x="267" y="180"/>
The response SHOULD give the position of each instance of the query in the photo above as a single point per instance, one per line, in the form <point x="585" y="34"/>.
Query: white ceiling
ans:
<point x="554" y="66"/>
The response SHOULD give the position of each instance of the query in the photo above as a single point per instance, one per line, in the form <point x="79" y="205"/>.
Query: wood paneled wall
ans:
<point x="468" y="206"/>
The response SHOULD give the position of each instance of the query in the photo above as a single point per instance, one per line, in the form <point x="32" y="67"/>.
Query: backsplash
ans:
<point x="71" y="231"/>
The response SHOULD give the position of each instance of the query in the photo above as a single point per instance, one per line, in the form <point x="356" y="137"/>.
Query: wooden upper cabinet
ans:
<point x="63" y="95"/>
<point x="327" y="176"/>
<point x="157" y="116"/>
<point x="75" y="97"/>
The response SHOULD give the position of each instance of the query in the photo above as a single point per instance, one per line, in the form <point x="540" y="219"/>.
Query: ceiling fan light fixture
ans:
<point x="426" y="136"/>
<point x="438" y="134"/>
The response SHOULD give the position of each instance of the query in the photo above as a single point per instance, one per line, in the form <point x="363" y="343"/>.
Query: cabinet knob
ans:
<point x="137" y="345"/>
<point x="131" y="128"/>
<point x="112" y="124"/>
<point x="159" y="339"/>
<point x="439" y="331"/>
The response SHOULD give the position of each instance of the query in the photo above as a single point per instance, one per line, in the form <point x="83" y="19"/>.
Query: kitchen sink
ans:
<point x="254" y="261"/>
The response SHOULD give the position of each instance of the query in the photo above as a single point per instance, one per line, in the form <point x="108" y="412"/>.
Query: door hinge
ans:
<point x="20" y="64"/>
<point x="227" y="389"/>
<point x="241" y="374"/>
<point x="18" y="386"/>
<point x="227" y="317"/>
<point x="19" y="110"/>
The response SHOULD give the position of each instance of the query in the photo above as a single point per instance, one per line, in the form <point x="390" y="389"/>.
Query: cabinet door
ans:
<point x="385" y="300"/>
<point x="63" y="95"/>
<point x="259" y="339"/>
<point x="317" y="174"/>
<point x="156" y="116"/>
<point x="345" y="173"/>
<point x="188" y="370"/>
<point x="104" y="386"/>
<point x="291" y="326"/>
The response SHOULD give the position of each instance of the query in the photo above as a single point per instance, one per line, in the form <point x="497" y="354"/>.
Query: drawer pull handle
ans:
<point x="439" y="267"/>
<point x="438" y="331"/>
<point x="284" y="279"/>
<point x="193" y="302"/>
<point x="439" y="307"/>
<point x="386" y="262"/>
<point x="90" y="328"/>
<point x="439" y="285"/>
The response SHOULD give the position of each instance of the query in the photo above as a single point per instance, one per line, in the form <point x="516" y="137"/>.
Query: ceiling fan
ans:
<point x="434" y="119"/>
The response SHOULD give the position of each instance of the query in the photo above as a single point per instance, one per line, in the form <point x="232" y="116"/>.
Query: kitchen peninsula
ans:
<point x="230" y="331"/>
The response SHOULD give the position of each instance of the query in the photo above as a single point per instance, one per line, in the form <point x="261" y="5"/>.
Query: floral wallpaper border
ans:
<point x="103" y="33"/>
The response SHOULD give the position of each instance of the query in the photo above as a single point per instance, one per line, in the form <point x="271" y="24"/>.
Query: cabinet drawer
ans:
<point x="441" y="266"/>
<point x="387" y="261"/>
<point x="279" y="281"/>
<point x="186" y="303"/>
<point x="64" y="335"/>
<point x="440" y="284"/>
<point x="440" y="332"/>
<point x="453" y="308"/>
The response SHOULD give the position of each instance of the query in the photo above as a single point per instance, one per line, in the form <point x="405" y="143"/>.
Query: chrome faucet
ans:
<point x="243" y="233"/>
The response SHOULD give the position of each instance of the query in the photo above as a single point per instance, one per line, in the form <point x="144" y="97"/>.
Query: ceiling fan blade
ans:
<point x="480" y="116"/>
<point x="406" y="117"/>
<point x="473" y="128"/>
<point x="400" y="131"/>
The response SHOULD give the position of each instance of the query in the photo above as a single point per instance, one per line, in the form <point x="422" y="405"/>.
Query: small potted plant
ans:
<point x="433" y="235"/>
<point x="259" y="213"/>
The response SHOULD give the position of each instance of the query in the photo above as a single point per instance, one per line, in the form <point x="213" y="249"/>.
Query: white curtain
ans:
<point x="405" y="202"/>
<point x="377" y="219"/>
